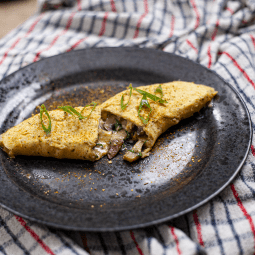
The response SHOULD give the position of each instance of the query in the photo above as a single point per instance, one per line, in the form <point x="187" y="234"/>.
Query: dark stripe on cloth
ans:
<point x="237" y="85"/>
<point x="14" y="238"/>
<point x="120" y="243"/>
<point x="214" y="224"/>
<point x="2" y="250"/>
<point x="64" y="242"/>
<point x="103" y="244"/>
<point x="230" y="222"/>
<point x="34" y="235"/>
<point x="246" y="214"/>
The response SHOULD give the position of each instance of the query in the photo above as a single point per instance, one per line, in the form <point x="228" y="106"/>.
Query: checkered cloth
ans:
<point x="219" y="34"/>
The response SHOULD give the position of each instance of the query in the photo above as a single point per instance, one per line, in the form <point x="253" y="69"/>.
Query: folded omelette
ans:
<point x="109" y="125"/>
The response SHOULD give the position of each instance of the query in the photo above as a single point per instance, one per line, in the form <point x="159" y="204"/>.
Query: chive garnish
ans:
<point x="159" y="90"/>
<point x="132" y="151"/>
<point x="42" y="110"/>
<point x="140" y="154"/>
<point x="152" y="97"/>
<point x="69" y="109"/>
<point x="94" y="106"/>
<point x="123" y="106"/>
<point x="144" y="102"/>
<point x="99" y="144"/>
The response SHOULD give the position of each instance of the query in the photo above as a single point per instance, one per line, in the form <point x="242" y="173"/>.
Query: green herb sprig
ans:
<point x="144" y="102"/>
<point x="69" y="109"/>
<point x="152" y="97"/>
<point x="123" y="106"/>
<point x="159" y="90"/>
<point x="94" y="106"/>
<point x="43" y="110"/>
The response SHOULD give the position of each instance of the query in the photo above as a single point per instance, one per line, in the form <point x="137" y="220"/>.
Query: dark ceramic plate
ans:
<point x="190" y="163"/>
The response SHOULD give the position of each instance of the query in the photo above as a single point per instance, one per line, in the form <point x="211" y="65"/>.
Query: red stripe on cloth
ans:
<point x="136" y="244"/>
<point x="198" y="227"/>
<point x="176" y="240"/>
<point x="209" y="56"/>
<point x="246" y="214"/>
<point x="197" y="13"/>
<point x="253" y="150"/>
<point x="34" y="235"/>
<point x="146" y="11"/>
<point x="192" y="46"/>
<point x="113" y="6"/>
<point x="69" y="22"/>
<point x="172" y="26"/>
<point x="18" y="39"/>
<point x="230" y="10"/>
<point x="79" y="5"/>
<point x="34" y="24"/>
<point x="253" y="40"/>
<point x="7" y="52"/>
<point x="239" y="67"/>
<point x="215" y="30"/>
<point x="209" y="47"/>
<point x="102" y="30"/>
<point x="76" y="44"/>
<point x="84" y="241"/>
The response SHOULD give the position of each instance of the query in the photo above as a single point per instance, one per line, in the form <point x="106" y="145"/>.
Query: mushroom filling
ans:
<point x="113" y="132"/>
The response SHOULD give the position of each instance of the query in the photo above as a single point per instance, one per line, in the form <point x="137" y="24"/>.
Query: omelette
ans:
<point x="138" y="115"/>
<point x="70" y="137"/>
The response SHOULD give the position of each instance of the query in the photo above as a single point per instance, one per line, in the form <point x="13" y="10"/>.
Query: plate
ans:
<point x="190" y="163"/>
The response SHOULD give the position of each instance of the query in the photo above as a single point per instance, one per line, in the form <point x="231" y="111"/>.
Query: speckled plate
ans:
<point x="190" y="164"/>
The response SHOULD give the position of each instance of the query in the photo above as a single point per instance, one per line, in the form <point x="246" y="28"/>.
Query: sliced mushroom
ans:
<point x="116" y="142"/>
<point x="109" y="123"/>
<point x="140" y="131"/>
<point x="135" y="153"/>
<point x="127" y="125"/>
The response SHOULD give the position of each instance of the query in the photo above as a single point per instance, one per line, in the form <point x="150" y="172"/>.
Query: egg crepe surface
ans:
<point x="73" y="138"/>
<point x="183" y="100"/>
<point x="69" y="137"/>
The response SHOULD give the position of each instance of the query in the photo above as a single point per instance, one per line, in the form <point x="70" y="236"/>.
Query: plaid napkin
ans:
<point x="219" y="34"/>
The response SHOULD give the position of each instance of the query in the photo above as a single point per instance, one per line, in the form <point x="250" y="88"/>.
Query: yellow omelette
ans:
<point x="108" y="126"/>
